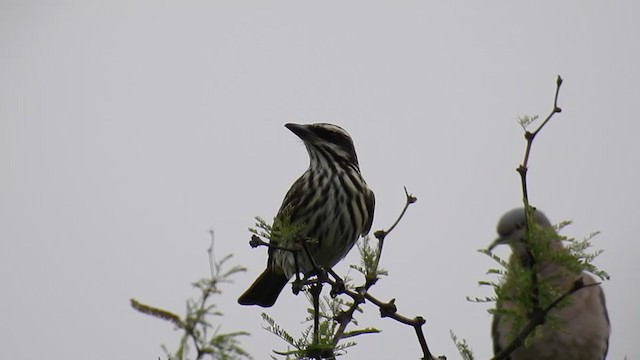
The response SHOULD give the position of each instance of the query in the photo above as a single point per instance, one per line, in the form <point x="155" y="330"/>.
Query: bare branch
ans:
<point x="387" y="309"/>
<point x="537" y="315"/>
<point x="522" y="170"/>
<point x="382" y="234"/>
<point x="530" y="136"/>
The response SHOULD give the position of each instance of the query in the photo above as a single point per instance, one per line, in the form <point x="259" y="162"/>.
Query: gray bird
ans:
<point x="583" y="324"/>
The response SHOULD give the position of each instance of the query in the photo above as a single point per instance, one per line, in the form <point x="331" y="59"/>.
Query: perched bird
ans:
<point x="330" y="202"/>
<point x="583" y="328"/>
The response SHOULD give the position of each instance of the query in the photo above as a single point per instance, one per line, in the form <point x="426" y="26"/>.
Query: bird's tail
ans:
<point x="265" y="290"/>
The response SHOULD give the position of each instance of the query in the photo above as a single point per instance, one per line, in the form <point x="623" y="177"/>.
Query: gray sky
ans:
<point x="129" y="129"/>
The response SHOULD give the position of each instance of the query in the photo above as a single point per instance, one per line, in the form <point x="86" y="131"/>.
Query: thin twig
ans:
<point x="210" y="253"/>
<point x="529" y="136"/>
<point x="522" y="170"/>
<point x="316" y="289"/>
<point x="192" y="331"/>
<point x="537" y="315"/>
<point x="344" y="318"/>
<point x="382" y="234"/>
<point x="257" y="241"/>
<point x="387" y="309"/>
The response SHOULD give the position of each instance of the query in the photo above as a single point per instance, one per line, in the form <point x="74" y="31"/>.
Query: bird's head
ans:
<point x="326" y="142"/>
<point x="512" y="226"/>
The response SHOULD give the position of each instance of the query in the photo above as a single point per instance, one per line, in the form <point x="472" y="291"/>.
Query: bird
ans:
<point x="330" y="203"/>
<point x="583" y="326"/>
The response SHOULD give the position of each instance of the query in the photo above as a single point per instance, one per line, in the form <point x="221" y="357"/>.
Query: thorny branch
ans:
<point x="387" y="309"/>
<point x="522" y="170"/>
<point x="381" y="234"/>
<point x="530" y="136"/>
<point x="537" y="315"/>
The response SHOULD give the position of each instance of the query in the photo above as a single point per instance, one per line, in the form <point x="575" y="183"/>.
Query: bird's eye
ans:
<point x="334" y="137"/>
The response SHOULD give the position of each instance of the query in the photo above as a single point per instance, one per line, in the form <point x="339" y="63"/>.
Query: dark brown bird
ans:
<point x="331" y="203"/>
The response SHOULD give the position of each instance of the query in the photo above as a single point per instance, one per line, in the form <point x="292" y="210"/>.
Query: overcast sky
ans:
<point x="129" y="129"/>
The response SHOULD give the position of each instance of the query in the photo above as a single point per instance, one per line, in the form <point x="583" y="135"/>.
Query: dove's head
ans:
<point x="512" y="228"/>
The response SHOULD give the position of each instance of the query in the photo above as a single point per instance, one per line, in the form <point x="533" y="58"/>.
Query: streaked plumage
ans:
<point x="332" y="203"/>
<point x="583" y="332"/>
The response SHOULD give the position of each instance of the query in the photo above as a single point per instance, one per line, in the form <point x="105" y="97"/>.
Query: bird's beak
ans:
<point x="301" y="130"/>
<point x="496" y="242"/>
